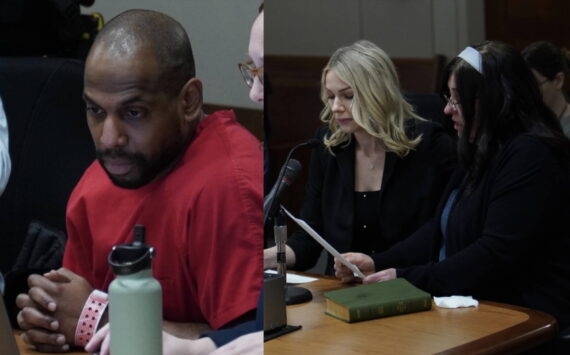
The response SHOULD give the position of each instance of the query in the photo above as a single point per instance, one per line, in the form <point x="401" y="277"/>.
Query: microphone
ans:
<point x="313" y="143"/>
<point x="271" y="200"/>
<point x="287" y="175"/>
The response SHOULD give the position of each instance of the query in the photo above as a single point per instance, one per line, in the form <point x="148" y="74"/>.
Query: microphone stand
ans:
<point x="293" y="294"/>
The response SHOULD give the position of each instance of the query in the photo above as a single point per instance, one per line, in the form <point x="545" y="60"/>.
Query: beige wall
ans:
<point x="219" y="33"/>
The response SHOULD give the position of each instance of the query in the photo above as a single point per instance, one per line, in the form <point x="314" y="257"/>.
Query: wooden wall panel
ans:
<point x="521" y="22"/>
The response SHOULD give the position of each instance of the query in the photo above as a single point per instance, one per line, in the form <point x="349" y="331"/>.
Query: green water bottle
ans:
<point x="135" y="299"/>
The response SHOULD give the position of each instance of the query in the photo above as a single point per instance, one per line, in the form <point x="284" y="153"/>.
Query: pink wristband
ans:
<point x="91" y="314"/>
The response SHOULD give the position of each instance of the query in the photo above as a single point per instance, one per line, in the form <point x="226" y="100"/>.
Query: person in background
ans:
<point x="5" y="162"/>
<point x="252" y="70"/>
<point x="193" y="180"/>
<point x="549" y="65"/>
<point x="246" y="338"/>
<point x="253" y="75"/>
<point x="380" y="168"/>
<point x="501" y="231"/>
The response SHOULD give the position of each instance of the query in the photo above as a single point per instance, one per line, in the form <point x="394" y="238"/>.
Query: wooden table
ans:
<point x="26" y="349"/>
<point x="488" y="329"/>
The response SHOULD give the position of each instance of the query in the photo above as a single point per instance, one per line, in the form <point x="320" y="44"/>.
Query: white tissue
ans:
<point x="455" y="302"/>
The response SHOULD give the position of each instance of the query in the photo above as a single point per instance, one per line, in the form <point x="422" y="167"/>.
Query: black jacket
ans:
<point x="507" y="241"/>
<point x="411" y="188"/>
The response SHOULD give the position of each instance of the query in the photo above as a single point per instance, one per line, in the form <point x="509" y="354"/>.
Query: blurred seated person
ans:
<point x="549" y="65"/>
<point x="5" y="162"/>
<point x="501" y="231"/>
<point x="193" y="180"/>
<point x="380" y="168"/>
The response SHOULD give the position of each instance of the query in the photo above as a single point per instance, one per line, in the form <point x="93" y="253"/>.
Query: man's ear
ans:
<point x="191" y="100"/>
<point x="559" y="80"/>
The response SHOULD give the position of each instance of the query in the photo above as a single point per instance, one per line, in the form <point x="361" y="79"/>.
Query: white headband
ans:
<point x="473" y="57"/>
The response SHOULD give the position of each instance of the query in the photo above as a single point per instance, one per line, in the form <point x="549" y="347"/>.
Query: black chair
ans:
<point x="50" y="145"/>
<point x="430" y="107"/>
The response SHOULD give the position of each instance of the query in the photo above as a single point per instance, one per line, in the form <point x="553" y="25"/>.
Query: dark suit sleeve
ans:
<point x="513" y="214"/>
<point x="306" y="249"/>
<point x="416" y="249"/>
<point x="224" y="336"/>
<point x="419" y="247"/>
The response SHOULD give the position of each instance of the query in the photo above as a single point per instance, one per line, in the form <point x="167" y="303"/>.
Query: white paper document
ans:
<point x="307" y="228"/>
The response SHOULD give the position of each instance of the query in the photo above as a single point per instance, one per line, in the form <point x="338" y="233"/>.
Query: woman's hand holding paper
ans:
<point x="362" y="261"/>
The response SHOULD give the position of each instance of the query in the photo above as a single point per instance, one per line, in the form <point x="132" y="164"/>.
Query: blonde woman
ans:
<point x="380" y="169"/>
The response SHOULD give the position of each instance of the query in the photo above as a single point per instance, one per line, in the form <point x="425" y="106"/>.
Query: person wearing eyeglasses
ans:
<point x="501" y="231"/>
<point x="252" y="70"/>
<point x="549" y="65"/>
<point x="380" y="168"/>
<point x="252" y="73"/>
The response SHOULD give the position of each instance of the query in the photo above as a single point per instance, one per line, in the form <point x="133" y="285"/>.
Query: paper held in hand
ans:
<point x="324" y="243"/>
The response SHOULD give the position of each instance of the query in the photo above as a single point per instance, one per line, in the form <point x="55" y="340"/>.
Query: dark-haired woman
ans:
<point x="501" y="231"/>
<point x="549" y="65"/>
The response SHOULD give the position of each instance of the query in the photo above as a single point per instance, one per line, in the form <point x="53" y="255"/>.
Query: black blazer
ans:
<point x="411" y="188"/>
<point x="507" y="241"/>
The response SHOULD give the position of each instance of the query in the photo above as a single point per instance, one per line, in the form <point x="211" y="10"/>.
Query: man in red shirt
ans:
<point x="193" y="180"/>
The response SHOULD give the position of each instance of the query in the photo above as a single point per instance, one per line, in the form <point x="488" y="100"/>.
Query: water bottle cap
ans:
<point x="126" y="259"/>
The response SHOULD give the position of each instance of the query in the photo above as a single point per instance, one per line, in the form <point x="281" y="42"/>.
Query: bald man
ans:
<point x="193" y="180"/>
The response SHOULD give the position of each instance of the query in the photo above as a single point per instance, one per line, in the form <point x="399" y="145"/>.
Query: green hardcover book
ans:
<point x="382" y="299"/>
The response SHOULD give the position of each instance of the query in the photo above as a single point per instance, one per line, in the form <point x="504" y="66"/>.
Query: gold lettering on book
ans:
<point x="401" y="307"/>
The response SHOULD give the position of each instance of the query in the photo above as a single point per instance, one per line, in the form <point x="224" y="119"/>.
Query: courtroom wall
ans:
<point x="403" y="28"/>
<point x="219" y="33"/>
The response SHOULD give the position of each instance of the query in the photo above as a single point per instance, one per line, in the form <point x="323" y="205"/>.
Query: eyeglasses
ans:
<point x="453" y="104"/>
<point x="249" y="71"/>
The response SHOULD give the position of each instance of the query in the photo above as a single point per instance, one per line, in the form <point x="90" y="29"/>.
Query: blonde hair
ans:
<point x="378" y="105"/>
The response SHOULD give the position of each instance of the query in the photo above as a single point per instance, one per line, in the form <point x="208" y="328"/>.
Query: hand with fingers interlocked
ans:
<point x="51" y="308"/>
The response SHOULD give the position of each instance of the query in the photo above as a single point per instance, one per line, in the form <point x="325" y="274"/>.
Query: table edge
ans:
<point x="510" y="337"/>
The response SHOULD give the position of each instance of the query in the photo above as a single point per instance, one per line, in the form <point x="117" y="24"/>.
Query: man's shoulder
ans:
<point x="223" y="140"/>
<point x="225" y="122"/>
<point x="223" y="153"/>
<point x="91" y="186"/>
